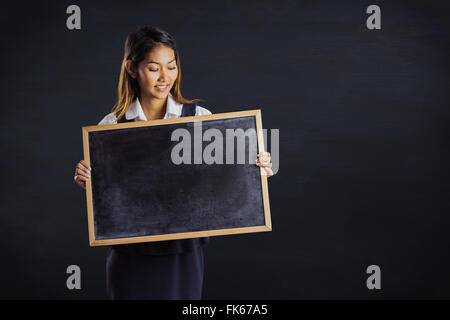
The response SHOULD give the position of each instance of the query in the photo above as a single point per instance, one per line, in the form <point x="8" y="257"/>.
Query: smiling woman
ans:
<point x="156" y="76"/>
<point x="149" y="88"/>
<point x="151" y="68"/>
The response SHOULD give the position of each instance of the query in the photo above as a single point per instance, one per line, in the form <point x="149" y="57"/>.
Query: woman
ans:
<point x="149" y="88"/>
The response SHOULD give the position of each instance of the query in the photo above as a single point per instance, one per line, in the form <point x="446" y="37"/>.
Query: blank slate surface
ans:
<point x="137" y="193"/>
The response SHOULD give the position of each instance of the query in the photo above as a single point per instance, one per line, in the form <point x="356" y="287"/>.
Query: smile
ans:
<point x="162" y="88"/>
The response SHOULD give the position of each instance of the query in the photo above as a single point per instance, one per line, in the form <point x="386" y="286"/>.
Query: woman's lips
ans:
<point x="161" y="89"/>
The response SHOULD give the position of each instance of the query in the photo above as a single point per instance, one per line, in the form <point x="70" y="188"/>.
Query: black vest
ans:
<point x="168" y="246"/>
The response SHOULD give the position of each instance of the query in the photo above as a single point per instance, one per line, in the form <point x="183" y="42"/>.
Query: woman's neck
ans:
<point x="153" y="108"/>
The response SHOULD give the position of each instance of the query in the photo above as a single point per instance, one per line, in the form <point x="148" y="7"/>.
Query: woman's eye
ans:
<point x="158" y="69"/>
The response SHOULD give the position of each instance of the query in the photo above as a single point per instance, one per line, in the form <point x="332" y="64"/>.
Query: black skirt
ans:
<point x="135" y="272"/>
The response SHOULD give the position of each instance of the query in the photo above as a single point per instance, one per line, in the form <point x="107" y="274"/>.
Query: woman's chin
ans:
<point x="159" y="95"/>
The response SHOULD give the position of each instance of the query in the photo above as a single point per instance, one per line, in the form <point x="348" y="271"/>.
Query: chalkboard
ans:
<point x="146" y="187"/>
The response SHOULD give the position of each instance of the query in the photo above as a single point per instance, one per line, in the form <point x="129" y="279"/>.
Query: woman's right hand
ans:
<point x="82" y="173"/>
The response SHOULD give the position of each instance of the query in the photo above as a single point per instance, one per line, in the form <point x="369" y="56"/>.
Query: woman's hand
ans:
<point x="263" y="161"/>
<point x="82" y="173"/>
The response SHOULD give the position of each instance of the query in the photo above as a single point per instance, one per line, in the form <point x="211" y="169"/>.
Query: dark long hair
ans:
<point x="137" y="45"/>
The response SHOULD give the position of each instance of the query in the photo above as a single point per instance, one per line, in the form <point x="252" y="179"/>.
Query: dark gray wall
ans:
<point x="363" y="119"/>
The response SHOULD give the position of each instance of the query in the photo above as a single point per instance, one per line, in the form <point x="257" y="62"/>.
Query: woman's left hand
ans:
<point x="263" y="161"/>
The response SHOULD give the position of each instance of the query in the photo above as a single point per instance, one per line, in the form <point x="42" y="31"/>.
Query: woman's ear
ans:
<point x="129" y="67"/>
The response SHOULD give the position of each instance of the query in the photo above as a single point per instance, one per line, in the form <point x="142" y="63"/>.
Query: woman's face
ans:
<point x="157" y="73"/>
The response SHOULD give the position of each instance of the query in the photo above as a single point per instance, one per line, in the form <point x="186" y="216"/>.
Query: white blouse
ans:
<point x="135" y="111"/>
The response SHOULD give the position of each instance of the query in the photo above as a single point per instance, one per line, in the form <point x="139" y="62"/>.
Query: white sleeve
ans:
<point x="110" y="118"/>
<point x="200" y="111"/>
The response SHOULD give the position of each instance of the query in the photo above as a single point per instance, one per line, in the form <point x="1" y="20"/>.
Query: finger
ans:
<point x="268" y="172"/>
<point x="85" y="165"/>
<point x="264" y="153"/>
<point x="83" y="175"/>
<point x="267" y="158"/>
<point x="81" y="167"/>
<point x="83" y="171"/>
<point x="267" y="165"/>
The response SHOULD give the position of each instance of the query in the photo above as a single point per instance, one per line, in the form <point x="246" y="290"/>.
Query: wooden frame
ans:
<point x="183" y="235"/>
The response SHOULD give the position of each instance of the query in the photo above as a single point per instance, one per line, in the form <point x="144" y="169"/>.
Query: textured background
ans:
<point x="363" y="118"/>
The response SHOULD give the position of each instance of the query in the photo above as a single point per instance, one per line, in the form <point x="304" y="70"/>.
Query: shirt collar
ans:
<point x="135" y="109"/>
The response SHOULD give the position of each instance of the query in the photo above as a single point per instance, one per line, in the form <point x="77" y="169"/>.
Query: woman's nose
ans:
<point x="163" y="76"/>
